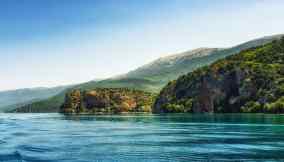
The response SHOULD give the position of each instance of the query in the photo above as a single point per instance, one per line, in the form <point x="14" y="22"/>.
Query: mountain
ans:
<point x="15" y="98"/>
<point x="169" y="68"/>
<point x="251" y="81"/>
<point x="153" y="76"/>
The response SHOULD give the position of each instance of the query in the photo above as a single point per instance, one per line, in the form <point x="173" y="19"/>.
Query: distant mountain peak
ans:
<point x="169" y="62"/>
<point x="191" y="53"/>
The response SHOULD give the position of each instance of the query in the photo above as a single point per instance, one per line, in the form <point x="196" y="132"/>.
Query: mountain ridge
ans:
<point x="11" y="98"/>
<point x="153" y="79"/>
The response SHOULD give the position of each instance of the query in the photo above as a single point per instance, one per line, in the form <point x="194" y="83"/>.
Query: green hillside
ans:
<point x="169" y="68"/>
<point x="15" y="98"/>
<point x="251" y="81"/>
<point x="151" y="77"/>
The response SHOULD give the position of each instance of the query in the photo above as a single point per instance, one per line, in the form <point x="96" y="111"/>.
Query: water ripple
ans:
<point x="15" y="156"/>
<point x="56" y="138"/>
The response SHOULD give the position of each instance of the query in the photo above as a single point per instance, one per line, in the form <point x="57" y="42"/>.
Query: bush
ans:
<point x="145" y="108"/>
<point x="275" y="107"/>
<point x="174" y="108"/>
<point x="188" y="105"/>
<point x="252" y="107"/>
<point x="124" y="107"/>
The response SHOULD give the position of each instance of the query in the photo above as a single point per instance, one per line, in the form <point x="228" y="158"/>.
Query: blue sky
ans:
<point x="52" y="42"/>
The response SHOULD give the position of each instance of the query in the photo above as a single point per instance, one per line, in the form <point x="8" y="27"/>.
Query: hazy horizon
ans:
<point x="51" y="43"/>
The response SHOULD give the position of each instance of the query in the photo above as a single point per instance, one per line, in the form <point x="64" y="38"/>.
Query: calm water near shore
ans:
<point x="176" y="137"/>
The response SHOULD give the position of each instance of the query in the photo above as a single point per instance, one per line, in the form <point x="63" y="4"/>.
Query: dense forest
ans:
<point x="107" y="100"/>
<point x="251" y="82"/>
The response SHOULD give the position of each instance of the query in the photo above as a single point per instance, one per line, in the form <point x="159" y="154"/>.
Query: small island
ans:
<point x="107" y="101"/>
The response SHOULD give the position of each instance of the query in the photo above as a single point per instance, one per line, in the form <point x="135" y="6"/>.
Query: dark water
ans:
<point x="53" y="137"/>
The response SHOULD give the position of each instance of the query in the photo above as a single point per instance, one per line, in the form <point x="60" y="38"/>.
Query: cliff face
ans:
<point x="251" y="81"/>
<point x="107" y="100"/>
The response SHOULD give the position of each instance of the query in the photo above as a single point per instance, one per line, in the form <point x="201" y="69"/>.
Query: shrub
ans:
<point x="252" y="107"/>
<point x="275" y="107"/>
<point x="174" y="108"/>
<point x="145" y="108"/>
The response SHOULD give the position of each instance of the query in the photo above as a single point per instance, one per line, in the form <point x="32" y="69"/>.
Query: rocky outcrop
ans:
<point x="251" y="81"/>
<point x="208" y="91"/>
<point x="73" y="102"/>
<point x="107" y="100"/>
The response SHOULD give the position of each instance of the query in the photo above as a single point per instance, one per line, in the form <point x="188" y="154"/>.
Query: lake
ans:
<point x="176" y="137"/>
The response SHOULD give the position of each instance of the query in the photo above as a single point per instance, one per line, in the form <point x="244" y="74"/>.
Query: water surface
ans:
<point x="54" y="137"/>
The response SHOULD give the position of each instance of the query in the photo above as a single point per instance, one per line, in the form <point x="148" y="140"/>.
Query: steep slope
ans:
<point x="14" y="98"/>
<point x="152" y="77"/>
<point x="251" y="81"/>
<point x="169" y="68"/>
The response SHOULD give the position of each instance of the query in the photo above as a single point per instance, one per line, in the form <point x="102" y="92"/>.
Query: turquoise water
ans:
<point x="54" y="137"/>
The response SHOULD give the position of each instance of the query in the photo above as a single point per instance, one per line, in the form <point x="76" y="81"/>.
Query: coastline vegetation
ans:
<point x="249" y="82"/>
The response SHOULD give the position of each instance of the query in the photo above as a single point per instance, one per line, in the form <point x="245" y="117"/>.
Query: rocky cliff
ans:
<point x="251" y="81"/>
<point x="107" y="100"/>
